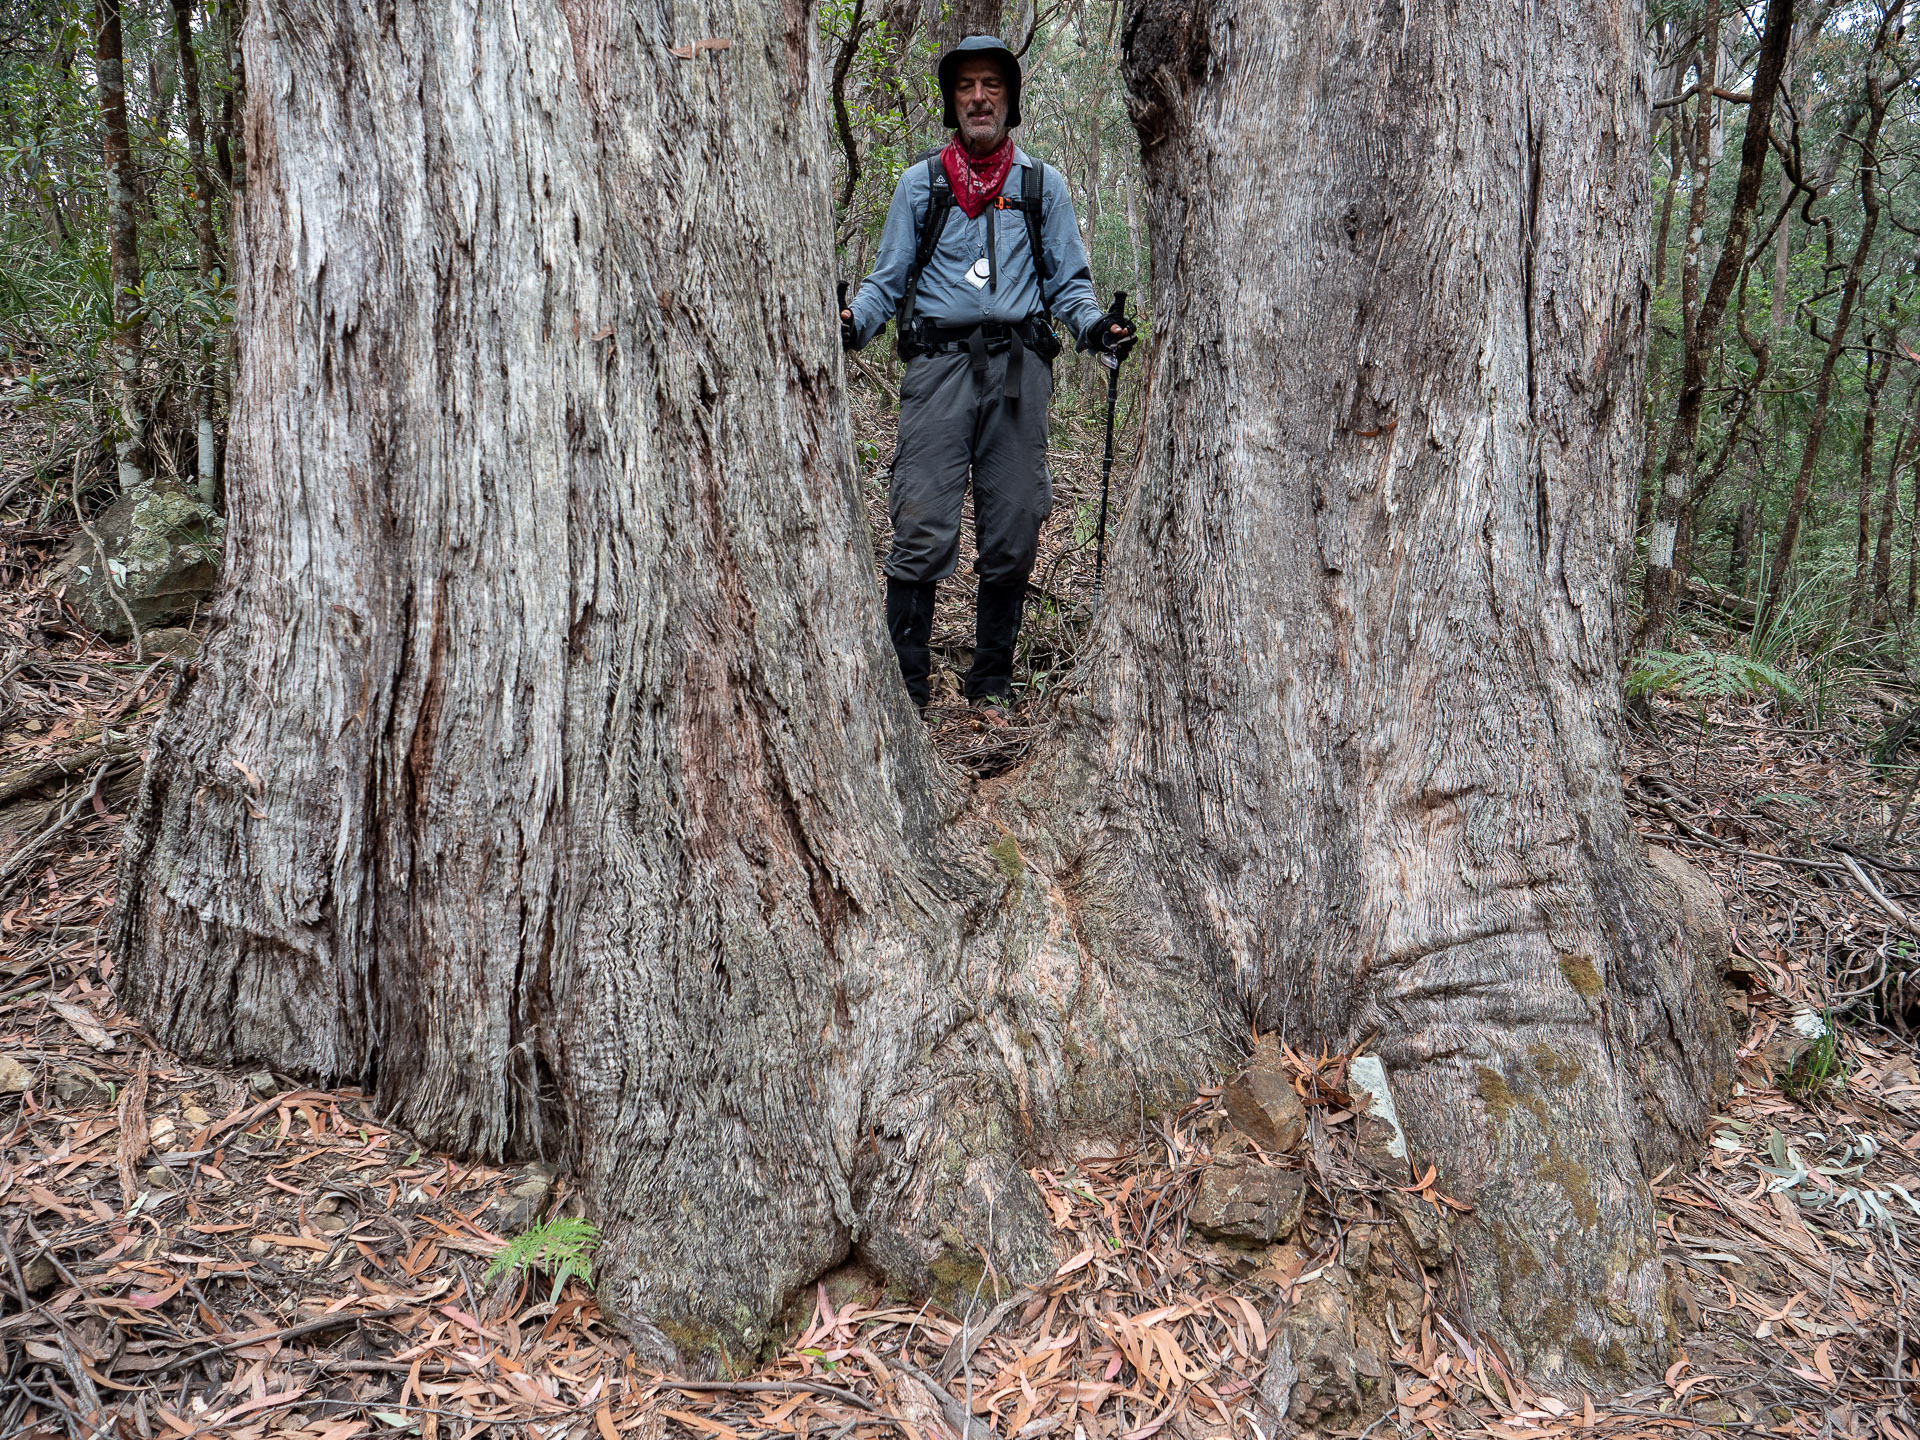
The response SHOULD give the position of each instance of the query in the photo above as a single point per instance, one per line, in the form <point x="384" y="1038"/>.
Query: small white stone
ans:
<point x="1369" y="1075"/>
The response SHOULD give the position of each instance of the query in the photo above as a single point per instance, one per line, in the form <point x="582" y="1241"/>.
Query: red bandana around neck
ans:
<point x="976" y="182"/>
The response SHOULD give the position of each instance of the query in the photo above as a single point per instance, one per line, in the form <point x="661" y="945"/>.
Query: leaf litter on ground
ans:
<point x="210" y="1253"/>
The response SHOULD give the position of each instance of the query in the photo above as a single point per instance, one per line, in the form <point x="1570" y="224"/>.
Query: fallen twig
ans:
<point x="776" y="1387"/>
<point x="32" y="848"/>
<point x="27" y="779"/>
<point x="291" y="1332"/>
<point x="1893" y="911"/>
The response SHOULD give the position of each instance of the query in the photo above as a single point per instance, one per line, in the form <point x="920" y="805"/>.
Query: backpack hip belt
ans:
<point x="1035" y="333"/>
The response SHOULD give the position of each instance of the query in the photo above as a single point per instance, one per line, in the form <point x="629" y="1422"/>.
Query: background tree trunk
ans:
<point x="123" y="250"/>
<point x="951" y="21"/>
<point x="1739" y="555"/>
<point x="1666" y="201"/>
<point x="206" y="252"/>
<point x="1904" y="446"/>
<point x="1876" y="110"/>
<point x="1872" y="383"/>
<point x="549" y="769"/>
<point x="1704" y="312"/>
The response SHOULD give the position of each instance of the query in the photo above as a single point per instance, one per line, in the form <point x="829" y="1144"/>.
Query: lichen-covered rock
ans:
<point x="162" y="549"/>
<point x="1242" y="1199"/>
<point x="1262" y="1103"/>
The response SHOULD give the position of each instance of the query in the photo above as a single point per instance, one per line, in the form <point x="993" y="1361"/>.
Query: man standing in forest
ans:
<point x="971" y="296"/>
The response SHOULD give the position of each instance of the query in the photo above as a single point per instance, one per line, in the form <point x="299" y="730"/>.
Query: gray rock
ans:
<point x="79" y="1088"/>
<point x="262" y="1083"/>
<point x="1262" y="1103"/>
<point x="171" y="640"/>
<point x="1426" y="1228"/>
<point x="1319" y="1375"/>
<point x="522" y="1204"/>
<point x="162" y="552"/>
<point x="39" y="1274"/>
<point x="14" y="1077"/>
<point x="1242" y="1199"/>
<point x="1703" y="913"/>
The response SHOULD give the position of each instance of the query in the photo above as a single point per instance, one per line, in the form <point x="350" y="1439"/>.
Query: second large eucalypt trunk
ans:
<point x="1357" y="688"/>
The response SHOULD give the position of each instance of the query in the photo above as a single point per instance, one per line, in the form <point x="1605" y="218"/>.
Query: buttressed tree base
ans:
<point x="549" y="770"/>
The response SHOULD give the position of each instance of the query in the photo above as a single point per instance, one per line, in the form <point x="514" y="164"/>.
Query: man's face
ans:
<point x="980" y="100"/>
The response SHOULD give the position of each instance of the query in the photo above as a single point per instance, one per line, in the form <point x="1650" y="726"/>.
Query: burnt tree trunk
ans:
<point x="550" y="772"/>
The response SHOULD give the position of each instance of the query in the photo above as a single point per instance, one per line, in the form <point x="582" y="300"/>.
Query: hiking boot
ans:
<point x="996" y="627"/>
<point x="910" y="627"/>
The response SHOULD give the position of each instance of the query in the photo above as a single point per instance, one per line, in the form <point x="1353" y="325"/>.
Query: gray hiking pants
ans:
<point x="952" y="425"/>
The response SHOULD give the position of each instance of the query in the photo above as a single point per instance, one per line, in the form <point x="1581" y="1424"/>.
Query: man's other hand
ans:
<point x="1115" y="337"/>
<point x="849" y="337"/>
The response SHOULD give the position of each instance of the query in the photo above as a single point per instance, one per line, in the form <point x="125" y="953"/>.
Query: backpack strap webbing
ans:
<point x="939" y="206"/>
<point x="1033" y="201"/>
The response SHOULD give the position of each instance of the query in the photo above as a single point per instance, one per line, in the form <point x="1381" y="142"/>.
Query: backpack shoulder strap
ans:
<point x="939" y="206"/>
<point x="1033" y="201"/>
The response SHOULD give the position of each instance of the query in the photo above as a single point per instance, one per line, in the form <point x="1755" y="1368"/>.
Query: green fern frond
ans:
<point x="1706" y="675"/>
<point x="562" y="1248"/>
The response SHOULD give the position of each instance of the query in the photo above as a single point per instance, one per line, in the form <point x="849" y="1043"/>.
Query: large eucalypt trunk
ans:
<point x="549" y="770"/>
<point x="1356" y="702"/>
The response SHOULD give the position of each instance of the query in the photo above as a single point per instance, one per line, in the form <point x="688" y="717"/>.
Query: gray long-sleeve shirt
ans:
<point x="946" y="295"/>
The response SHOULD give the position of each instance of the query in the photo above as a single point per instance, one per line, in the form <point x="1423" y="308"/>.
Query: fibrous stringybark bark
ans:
<point x="1383" y="510"/>
<point x="550" y="771"/>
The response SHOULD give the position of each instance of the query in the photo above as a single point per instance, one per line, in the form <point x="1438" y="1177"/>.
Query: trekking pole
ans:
<point x="1119" y="312"/>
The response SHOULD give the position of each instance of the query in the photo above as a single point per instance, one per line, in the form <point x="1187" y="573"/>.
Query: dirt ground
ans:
<point x="190" y="1252"/>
